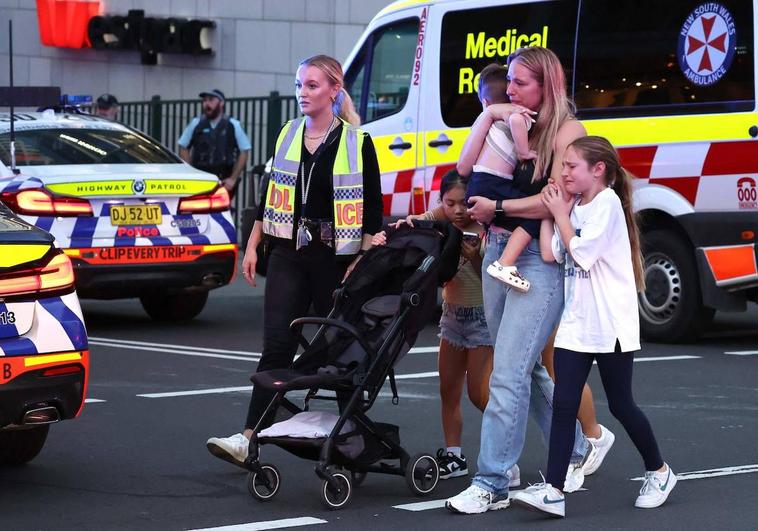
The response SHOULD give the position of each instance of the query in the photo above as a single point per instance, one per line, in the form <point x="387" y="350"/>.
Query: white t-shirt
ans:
<point x="600" y="291"/>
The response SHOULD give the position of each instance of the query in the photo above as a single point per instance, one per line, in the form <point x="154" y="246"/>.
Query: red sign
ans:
<point x="63" y="23"/>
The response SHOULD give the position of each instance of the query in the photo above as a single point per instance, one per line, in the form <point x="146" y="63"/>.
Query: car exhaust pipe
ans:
<point x="42" y="415"/>
<point x="212" y="280"/>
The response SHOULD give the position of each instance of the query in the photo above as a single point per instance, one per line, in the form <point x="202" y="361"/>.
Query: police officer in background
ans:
<point x="107" y="107"/>
<point x="216" y="143"/>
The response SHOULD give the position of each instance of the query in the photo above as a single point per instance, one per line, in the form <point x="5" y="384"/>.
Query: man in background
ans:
<point x="107" y="107"/>
<point x="216" y="143"/>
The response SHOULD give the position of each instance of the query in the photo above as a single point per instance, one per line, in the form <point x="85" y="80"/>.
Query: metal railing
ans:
<point x="260" y="117"/>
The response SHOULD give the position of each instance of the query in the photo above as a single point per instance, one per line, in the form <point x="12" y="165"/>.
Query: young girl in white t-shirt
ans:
<point x="596" y="234"/>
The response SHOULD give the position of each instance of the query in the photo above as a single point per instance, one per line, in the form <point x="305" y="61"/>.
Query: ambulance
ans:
<point x="671" y="84"/>
<point x="44" y="356"/>
<point x="135" y="219"/>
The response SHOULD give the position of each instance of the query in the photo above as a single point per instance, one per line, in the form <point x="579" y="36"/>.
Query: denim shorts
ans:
<point x="464" y="326"/>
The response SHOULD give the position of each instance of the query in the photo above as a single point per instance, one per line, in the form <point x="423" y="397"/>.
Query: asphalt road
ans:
<point x="139" y="462"/>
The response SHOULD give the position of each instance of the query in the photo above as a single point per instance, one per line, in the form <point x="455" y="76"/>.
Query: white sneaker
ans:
<point x="575" y="473"/>
<point x="476" y="500"/>
<point x="514" y="476"/>
<point x="543" y="498"/>
<point x="508" y="275"/>
<point x="232" y="449"/>
<point x="603" y="445"/>
<point x="656" y="488"/>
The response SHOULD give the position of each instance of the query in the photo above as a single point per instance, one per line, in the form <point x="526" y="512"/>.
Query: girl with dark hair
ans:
<point x="465" y="356"/>
<point x="595" y="232"/>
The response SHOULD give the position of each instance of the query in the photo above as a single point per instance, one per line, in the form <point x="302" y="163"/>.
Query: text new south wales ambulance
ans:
<point x="479" y="46"/>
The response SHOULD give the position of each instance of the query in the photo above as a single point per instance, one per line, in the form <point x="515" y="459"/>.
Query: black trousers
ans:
<point x="294" y="281"/>
<point x="571" y="371"/>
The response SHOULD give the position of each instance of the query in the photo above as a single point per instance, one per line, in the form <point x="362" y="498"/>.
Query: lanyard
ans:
<point x="306" y="184"/>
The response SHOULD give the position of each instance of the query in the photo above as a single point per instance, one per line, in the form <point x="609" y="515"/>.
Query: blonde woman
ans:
<point x="520" y="324"/>
<point x="321" y="208"/>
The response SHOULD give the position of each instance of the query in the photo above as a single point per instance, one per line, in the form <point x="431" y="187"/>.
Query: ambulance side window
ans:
<point x="474" y="38"/>
<point x="652" y="58"/>
<point x="380" y="76"/>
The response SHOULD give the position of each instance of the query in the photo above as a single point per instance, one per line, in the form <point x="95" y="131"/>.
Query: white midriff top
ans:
<point x="600" y="290"/>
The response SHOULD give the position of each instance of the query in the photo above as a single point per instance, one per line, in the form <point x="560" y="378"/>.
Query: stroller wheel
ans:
<point x="336" y="498"/>
<point x="357" y="478"/>
<point x="264" y="485"/>
<point x="422" y="473"/>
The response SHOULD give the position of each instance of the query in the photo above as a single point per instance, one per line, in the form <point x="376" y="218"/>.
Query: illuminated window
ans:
<point x="630" y="50"/>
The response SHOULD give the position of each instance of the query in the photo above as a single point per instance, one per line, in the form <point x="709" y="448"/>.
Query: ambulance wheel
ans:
<point x="671" y="307"/>
<point x="422" y="473"/>
<point x="264" y="485"/>
<point x="336" y="498"/>
<point x="181" y="306"/>
<point x="18" y="447"/>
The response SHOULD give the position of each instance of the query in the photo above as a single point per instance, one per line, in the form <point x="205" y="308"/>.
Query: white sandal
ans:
<point x="508" y="275"/>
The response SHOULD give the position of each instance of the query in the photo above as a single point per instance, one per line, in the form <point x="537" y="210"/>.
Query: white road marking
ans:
<point x="713" y="472"/>
<point x="180" y="347"/>
<point x="170" y="351"/>
<point x="188" y="350"/>
<point x="666" y="358"/>
<point x="421" y="506"/>
<point x="424" y="350"/>
<point x="270" y="524"/>
<point x="93" y="401"/>
<point x="412" y="376"/>
<point x="742" y="352"/>
<point x="248" y="388"/>
<point x="218" y="390"/>
<point x="439" y="504"/>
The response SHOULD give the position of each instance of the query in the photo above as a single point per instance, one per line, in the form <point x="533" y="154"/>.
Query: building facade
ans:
<point x="256" y="47"/>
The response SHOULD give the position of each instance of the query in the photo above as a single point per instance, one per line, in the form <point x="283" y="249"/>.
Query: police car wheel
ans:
<point x="671" y="307"/>
<point x="180" y="306"/>
<point x="18" y="447"/>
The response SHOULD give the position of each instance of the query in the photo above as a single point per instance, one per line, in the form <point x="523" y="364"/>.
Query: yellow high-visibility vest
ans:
<point x="347" y="180"/>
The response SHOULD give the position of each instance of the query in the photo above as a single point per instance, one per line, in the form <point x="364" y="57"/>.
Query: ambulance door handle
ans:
<point x="401" y="145"/>
<point x="753" y="131"/>
<point x="439" y="143"/>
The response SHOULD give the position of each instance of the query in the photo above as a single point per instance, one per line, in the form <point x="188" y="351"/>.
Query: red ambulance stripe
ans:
<point x="729" y="158"/>
<point x="439" y="172"/>
<point x="387" y="204"/>
<point x="687" y="186"/>
<point x="404" y="181"/>
<point x="638" y="160"/>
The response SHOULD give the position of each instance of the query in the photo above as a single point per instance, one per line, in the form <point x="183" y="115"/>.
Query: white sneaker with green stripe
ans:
<point x="542" y="498"/>
<point x="656" y="488"/>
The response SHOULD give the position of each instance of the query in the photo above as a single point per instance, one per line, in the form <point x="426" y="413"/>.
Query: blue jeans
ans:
<point x="520" y="325"/>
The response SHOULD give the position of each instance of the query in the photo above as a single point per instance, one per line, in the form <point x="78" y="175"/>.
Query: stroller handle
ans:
<point x="298" y="324"/>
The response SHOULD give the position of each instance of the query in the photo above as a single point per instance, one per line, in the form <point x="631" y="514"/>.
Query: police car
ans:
<point x="133" y="217"/>
<point x="44" y="361"/>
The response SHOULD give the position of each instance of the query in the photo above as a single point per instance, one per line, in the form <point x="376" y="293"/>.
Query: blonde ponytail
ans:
<point x="345" y="109"/>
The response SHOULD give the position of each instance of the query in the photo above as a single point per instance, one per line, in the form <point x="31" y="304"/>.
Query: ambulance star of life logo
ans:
<point x="138" y="186"/>
<point x="707" y="42"/>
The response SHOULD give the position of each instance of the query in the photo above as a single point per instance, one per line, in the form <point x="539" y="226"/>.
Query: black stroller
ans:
<point x="377" y="314"/>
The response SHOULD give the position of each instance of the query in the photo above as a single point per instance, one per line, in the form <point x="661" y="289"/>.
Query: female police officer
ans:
<point x="322" y="205"/>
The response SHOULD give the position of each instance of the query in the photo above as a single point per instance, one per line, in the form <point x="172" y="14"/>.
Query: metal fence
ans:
<point x="260" y="117"/>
